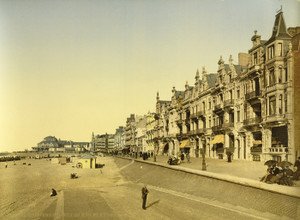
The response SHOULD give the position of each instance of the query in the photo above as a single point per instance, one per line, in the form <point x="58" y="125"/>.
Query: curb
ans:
<point x="279" y="189"/>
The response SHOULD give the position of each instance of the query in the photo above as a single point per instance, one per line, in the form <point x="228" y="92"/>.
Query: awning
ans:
<point x="256" y="142"/>
<point x="163" y="146"/>
<point x="219" y="139"/>
<point x="185" y="143"/>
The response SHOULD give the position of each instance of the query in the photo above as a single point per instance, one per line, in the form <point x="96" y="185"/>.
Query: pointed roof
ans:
<point x="279" y="29"/>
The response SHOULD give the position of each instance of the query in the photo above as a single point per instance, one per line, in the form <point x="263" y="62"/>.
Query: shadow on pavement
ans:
<point x="153" y="203"/>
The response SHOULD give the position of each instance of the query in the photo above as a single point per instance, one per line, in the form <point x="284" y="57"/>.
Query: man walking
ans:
<point x="144" y="196"/>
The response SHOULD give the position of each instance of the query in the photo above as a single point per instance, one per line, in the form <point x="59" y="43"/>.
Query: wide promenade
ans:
<point x="114" y="192"/>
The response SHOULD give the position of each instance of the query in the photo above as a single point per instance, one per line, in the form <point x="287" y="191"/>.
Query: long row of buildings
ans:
<point x="246" y="111"/>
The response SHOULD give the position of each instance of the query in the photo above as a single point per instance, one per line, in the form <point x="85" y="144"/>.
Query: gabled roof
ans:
<point x="164" y="102"/>
<point x="178" y="93"/>
<point x="279" y="29"/>
<point x="211" y="79"/>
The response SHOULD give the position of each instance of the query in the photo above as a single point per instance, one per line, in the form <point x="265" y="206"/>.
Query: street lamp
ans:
<point x="203" y="153"/>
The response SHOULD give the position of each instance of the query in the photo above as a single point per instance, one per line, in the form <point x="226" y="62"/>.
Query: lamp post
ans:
<point x="203" y="153"/>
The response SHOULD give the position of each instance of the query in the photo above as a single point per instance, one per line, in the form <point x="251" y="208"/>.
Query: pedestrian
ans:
<point x="182" y="156"/>
<point x="54" y="193"/>
<point x="188" y="157"/>
<point x="296" y="175"/>
<point x="144" y="196"/>
<point x="5" y="164"/>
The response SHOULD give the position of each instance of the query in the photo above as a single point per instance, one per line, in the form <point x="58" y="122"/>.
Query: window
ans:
<point x="280" y="75"/>
<point x="285" y="102"/>
<point x="280" y="49"/>
<point x="271" y="77"/>
<point x="271" y="52"/>
<point x="255" y="58"/>
<point x="238" y="93"/>
<point x="209" y="105"/>
<point x="245" y="112"/>
<point x="272" y="105"/>
<point x="238" y="116"/>
<point x="280" y="104"/>
<point x="286" y="74"/>
<point x="256" y="157"/>
<point x="209" y="123"/>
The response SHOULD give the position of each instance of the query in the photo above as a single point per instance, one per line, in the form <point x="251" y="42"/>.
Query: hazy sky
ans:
<point x="68" y="68"/>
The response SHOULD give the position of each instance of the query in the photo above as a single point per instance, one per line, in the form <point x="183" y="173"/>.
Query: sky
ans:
<point x="72" y="67"/>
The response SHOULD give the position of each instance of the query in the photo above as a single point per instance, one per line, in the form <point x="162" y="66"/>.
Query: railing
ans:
<point x="200" y="130"/>
<point x="201" y="113"/>
<point x="228" y="125"/>
<point x="216" y="128"/>
<point x="253" y="95"/>
<point x="218" y="107"/>
<point x="256" y="149"/>
<point x="229" y="102"/>
<point x="197" y="114"/>
<point x="251" y="121"/>
<point x="275" y="149"/>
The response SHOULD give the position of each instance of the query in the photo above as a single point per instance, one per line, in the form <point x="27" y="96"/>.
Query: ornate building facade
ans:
<point x="243" y="111"/>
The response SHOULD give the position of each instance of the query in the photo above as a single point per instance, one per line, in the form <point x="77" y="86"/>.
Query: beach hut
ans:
<point x="62" y="160"/>
<point x="86" y="161"/>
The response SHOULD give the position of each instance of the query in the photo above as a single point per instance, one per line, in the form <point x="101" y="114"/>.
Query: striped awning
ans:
<point x="185" y="143"/>
<point x="219" y="139"/>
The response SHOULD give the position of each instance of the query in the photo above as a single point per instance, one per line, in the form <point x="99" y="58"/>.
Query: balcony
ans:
<point x="218" y="108"/>
<point x="200" y="131"/>
<point x="252" y="121"/>
<point x="197" y="115"/>
<point x="253" y="97"/>
<point x="277" y="149"/>
<point x="275" y="87"/>
<point x="275" y="118"/>
<point x="256" y="149"/>
<point x="217" y="128"/>
<point x="194" y="116"/>
<point x="229" y="103"/>
<point x="181" y="135"/>
<point x="228" y="125"/>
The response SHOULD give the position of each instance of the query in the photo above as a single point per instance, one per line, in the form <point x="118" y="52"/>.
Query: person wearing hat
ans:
<point x="144" y="196"/>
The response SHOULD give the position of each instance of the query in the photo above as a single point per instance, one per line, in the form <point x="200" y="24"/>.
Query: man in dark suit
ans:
<point x="144" y="196"/>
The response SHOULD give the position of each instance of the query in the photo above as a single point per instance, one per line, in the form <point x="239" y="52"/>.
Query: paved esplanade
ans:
<point x="111" y="195"/>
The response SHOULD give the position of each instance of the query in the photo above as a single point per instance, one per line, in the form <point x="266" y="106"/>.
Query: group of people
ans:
<point x="178" y="160"/>
<point x="282" y="175"/>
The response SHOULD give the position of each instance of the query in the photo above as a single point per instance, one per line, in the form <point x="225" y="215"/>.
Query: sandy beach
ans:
<point x="25" y="190"/>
